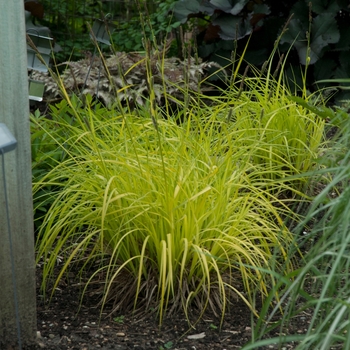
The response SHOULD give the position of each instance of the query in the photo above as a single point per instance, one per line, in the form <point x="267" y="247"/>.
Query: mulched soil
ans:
<point x="61" y="326"/>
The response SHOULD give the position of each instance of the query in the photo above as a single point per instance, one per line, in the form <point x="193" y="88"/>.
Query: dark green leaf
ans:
<point x="324" y="68"/>
<point x="261" y="8"/>
<point x="168" y="345"/>
<point x="206" y="50"/>
<point x="227" y="6"/>
<point x="344" y="41"/>
<point x="323" y="6"/>
<point x="324" y="31"/>
<point x="296" y="32"/>
<point x="183" y="9"/>
<point x="342" y="73"/>
<point x="257" y="57"/>
<point x="233" y="27"/>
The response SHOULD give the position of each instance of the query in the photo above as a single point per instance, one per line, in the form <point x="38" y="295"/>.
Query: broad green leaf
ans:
<point x="227" y="6"/>
<point x="324" y="68"/>
<point x="261" y="8"/>
<point x="296" y="30"/>
<point x="323" y="6"/>
<point x="233" y="27"/>
<point x="182" y="9"/>
<point x="324" y="31"/>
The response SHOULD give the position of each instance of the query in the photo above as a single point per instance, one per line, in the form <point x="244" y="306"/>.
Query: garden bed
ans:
<point x="61" y="326"/>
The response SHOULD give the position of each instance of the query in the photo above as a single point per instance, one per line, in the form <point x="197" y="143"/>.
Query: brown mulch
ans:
<point x="61" y="324"/>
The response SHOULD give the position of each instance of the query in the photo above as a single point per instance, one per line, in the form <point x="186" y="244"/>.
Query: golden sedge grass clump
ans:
<point x="168" y="214"/>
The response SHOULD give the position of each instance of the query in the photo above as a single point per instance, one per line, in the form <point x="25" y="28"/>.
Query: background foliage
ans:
<point x="317" y="32"/>
<point x="68" y="22"/>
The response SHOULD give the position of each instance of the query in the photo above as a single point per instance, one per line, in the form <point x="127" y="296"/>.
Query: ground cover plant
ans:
<point x="171" y="213"/>
<point x="121" y="78"/>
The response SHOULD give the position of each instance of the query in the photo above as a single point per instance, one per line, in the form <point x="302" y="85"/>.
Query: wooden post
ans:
<point x="14" y="112"/>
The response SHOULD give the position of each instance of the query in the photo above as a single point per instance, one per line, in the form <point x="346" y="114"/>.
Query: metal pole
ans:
<point x="14" y="112"/>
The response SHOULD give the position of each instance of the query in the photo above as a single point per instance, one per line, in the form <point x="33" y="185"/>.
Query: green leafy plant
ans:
<point x="128" y="37"/>
<point x="292" y="138"/>
<point x="167" y="345"/>
<point x="220" y="23"/>
<point x="45" y="156"/>
<point x="317" y="32"/>
<point x="178" y="212"/>
<point x="119" y="319"/>
<point x="69" y="23"/>
<point x="122" y="78"/>
<point x="319" y="287"/>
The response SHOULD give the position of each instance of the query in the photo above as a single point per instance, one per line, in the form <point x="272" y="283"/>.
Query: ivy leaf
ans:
<point x="226" y="6"/>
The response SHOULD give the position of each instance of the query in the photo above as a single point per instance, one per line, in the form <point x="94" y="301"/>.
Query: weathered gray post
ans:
<point x="14" y="112"/>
